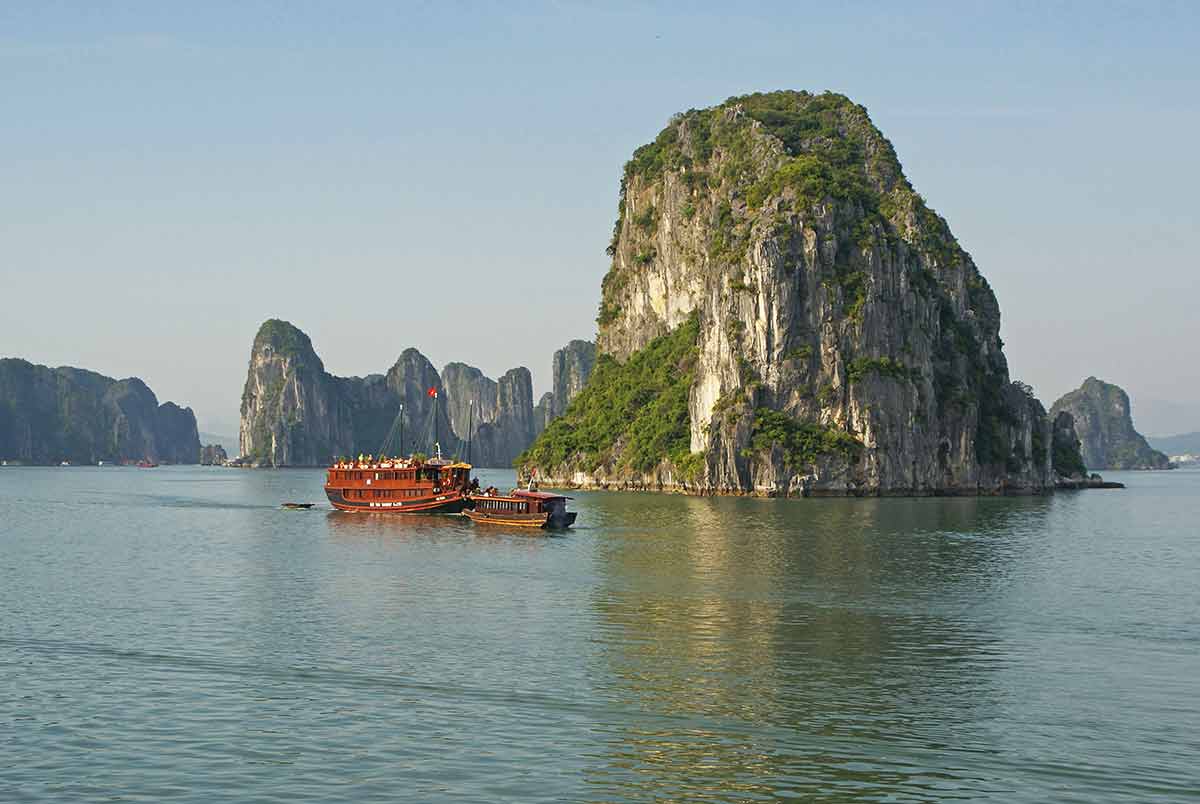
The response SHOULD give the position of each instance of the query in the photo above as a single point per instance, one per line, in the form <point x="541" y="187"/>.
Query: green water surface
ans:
<point x="172" y="635"/>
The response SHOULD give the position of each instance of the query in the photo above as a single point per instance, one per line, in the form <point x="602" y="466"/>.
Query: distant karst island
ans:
<point x="1104" y="424"/>
<point x="295" y="413"/>
<point x="55" y="415"/>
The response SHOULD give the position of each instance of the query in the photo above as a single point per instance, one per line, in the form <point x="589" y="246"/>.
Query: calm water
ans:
<point x="172" y="635"/>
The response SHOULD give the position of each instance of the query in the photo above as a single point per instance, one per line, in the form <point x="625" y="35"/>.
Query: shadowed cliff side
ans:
<point x="48" y="415"/>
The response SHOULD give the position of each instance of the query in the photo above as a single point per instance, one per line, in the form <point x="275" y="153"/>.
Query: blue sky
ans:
<point x="445" y="175"/>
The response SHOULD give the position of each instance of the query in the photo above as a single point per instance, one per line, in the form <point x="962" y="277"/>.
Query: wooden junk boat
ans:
<point x="527" y="509"/>
<point x="399" y="485"/>
<point x="413" y="485"/>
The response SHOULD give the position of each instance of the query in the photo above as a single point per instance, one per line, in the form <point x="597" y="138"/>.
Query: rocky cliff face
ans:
<point x="500" y="441"/>
<point x="812" y="326"/>
<point x="295" y="413"/>
<point x="48" y="415"/>
<point x="1104" y="426"/>
<point x="543" y="413"/>
<point x="466" y="386"/>
<point x="571" y="367"/>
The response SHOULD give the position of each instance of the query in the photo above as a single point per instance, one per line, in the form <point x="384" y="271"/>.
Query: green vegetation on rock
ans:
<point x="284" y="338"/>
<point x="802" y="442"/>
<point x="1067" y="460"/>
<point x="860" y="367"/>
<point x="640" y="405"/>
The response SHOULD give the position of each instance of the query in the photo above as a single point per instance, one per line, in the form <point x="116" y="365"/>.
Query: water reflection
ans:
<point x="347" y="526"/>
<point x="821" y="641"/>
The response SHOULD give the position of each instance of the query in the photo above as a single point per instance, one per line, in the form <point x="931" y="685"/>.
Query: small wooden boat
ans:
<point x="526" y="509"/>
<point x="298" y="506"/>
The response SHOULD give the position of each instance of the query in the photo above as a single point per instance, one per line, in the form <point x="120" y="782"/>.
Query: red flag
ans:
<point x="432" y="392"/>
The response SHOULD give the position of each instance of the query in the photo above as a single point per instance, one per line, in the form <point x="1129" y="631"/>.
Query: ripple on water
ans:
<point x="172" y="635"/>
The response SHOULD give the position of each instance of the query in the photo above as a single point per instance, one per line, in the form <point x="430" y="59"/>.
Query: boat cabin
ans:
<point x="418" y="486"/>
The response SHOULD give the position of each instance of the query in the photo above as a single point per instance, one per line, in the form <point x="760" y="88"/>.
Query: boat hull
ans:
<point x="449" y="503"/>
<point x="505" y="518"/>
<point x="539" y="520"/>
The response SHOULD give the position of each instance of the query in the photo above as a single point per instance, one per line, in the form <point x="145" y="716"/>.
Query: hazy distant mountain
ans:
<point x="1104" y="425"/>
<point x="48" y="415"/>
<point x="1183" y="444"/>
<point x="227" y="443"/>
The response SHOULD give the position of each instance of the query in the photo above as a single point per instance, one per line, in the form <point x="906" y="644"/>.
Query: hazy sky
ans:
<point x="445" y="175"/>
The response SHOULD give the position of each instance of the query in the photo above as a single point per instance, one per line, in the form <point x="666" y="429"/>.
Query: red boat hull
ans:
<point x="447" y="503"/>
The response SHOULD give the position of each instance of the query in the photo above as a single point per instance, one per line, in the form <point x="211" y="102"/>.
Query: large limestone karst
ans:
<point x="785" y="314"/>
<point x="49" y="415"/>
<point x="295" y="413"/>
<point x="1104" y="424"/>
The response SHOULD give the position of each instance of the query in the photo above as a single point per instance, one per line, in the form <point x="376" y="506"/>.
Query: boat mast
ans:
<point x="470" y="422"/>
<point x="437" y="441"/>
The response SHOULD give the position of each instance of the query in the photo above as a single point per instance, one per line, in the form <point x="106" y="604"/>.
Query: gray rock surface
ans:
<point x="571" y="367"/>
<point x="500" y="441"/>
